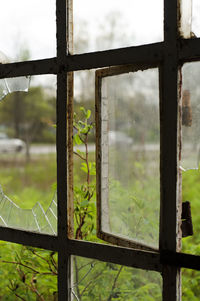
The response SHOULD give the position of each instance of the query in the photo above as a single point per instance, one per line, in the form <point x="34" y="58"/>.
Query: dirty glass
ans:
<point x="9" y="85"/>
<point x="25" y="25"/>
<point x="186" y="18"/>
<point x="118" y="282"/>
<point x="190" y="117"/>
<point x="195" y="18"/>
<point x="28" y="155"/>
<point x="189" y="164"/>
<point x="130" y="147"/>
<point x="100" y="25"/>
<point x="27" y="273"/>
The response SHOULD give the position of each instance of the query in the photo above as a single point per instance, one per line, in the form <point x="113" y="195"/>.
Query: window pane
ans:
<point x="100" y="25"/>
<point x="27" y="273"/>
<point x="186" y="18"/>
<point x="130" y="192"/>
<point x="190" y="151"/>
<point x="95" y="280"/>
<point x="190" y="285"/>
<point x="28" y="29"/>
<point x="195" y="17"/>
<point x="28" y="154"/>
<point x="84" y="155"/>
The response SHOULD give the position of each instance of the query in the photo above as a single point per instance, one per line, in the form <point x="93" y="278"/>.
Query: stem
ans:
<point x="90" y="282"/>
<point x="87" y="160"/>
<point x="26" y="266"/>
<point x="77" y="154"/>
<point x="114" y="283"/>
<point x="77" y="278"/>
<point x="18" y="296"/>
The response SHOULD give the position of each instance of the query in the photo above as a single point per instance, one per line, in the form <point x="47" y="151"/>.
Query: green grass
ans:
<point x="28" y="183"/>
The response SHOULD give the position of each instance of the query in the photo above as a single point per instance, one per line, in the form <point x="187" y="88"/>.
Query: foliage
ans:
<point x="30" y="274"/>
<point x="29" y="116"/>
<point x="191" y="244"/>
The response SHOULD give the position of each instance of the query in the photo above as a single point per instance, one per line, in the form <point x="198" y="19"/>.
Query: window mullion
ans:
<point x="169" y="166"/>
<point x="61" y="144"/>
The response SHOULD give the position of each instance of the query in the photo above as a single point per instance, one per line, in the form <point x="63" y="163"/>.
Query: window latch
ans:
<point x="186" y="218"/>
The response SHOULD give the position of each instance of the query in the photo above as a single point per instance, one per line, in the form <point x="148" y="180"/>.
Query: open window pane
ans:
<point x="100" y="25"/>
<point x="190" y="117"/>
<point x="28" y="29"/>
<point x="191" y="152"/>
<point x="27" y="273"/>
<point x="96" y="280"/>
<point x="128" y="156"/>
<point x="28" y="155"/>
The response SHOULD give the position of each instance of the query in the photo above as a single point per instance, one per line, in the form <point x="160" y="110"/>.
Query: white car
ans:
<point x="119" y="138"/>
<point x="10" y="144"/>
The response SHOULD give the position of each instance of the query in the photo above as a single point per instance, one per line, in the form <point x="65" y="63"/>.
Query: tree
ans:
<point x="28" y="115"/>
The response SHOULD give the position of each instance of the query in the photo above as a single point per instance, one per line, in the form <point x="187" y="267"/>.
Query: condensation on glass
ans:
<point x="28" y="198"/>
<point x="128" y="155"/>
<point x="119" y="282"/>
<point x="100" y="25"/>
<point x="185" y="18"/>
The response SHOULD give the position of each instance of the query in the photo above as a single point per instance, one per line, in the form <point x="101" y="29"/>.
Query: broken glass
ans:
<point x="28" y="155"/>
<point x="130" y="147"/>
<point x="35" y="219"/>
<point x="10" y="85"/>
<point x="119" y="282"/>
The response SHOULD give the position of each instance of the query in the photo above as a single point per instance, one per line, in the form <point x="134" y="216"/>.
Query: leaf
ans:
<point x="84" y="167"/>
<point x="77" y="139"/>
<point x="88" y="114"/>
<point x="84" y="203"/>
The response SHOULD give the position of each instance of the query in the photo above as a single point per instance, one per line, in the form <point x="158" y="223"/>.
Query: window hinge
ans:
<point x="186" y="217"/>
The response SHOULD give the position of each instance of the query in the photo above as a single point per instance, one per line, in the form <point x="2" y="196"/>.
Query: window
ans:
<point x="165" y="58"/>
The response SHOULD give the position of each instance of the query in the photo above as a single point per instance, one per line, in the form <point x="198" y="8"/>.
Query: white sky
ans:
<point x="32" y="23"/>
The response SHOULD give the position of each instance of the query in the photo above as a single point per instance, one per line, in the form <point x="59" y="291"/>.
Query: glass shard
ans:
<point x="28" y="154"/>
<point x="35" y="219"/>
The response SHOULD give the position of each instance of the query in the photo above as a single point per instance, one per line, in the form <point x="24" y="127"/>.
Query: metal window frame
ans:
<point x="169" y="55"/>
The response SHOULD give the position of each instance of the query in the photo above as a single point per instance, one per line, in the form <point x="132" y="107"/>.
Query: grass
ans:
<point x="28" y="183"/>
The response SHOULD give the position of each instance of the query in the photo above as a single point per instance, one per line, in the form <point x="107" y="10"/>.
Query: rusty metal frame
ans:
<point x="169" y="55"/>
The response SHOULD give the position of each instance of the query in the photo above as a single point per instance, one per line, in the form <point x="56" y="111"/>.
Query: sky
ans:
<point x="31" y="24"/>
